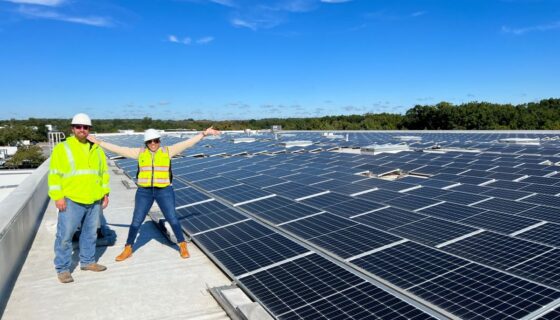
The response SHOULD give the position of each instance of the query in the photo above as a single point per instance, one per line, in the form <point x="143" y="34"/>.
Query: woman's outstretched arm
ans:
<point x="122" y="151"/>
<point x="181" y="146"/>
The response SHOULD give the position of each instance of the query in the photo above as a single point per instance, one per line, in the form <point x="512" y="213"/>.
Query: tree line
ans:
<point x="542" y="115"/>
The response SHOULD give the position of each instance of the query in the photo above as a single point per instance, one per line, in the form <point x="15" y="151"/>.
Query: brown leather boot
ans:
<point x="96" y="267"/>
<point x="65" y="277"/>
<point x="183" y="250"/>
<point x="127" y="252"/>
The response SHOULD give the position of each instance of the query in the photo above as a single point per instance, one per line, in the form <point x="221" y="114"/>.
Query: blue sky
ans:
<point x="242" y="59"/>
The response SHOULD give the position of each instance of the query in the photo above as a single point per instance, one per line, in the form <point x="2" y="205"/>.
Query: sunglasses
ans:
<point x="80" y="127"/>
<point x="152" y="141"/>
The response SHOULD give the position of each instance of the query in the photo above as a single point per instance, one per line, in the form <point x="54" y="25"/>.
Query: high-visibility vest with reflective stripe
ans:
<point x="78" y="174"/>
<point x="154" y="168"/>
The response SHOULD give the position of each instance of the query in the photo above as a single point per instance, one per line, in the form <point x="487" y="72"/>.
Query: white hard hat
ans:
<point x="81" y="118"/>
<point x="151" y="134"/>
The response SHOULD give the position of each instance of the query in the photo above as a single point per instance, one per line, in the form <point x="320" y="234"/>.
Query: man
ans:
<point x="79" y="186"/>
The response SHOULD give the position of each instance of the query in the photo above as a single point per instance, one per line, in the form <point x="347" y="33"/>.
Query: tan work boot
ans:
<point x="183" y="250"/>
<point x="95" y="267"/>
<point x="127" y="252"/>
<point x="65" y="277"/>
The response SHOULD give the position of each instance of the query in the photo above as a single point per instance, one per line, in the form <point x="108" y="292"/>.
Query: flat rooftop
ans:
<point x="155" y="283"/>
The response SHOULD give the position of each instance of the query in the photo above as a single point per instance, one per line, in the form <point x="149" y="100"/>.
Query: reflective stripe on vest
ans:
<point x="73" y="172"/>
<point x="154" y="168"/>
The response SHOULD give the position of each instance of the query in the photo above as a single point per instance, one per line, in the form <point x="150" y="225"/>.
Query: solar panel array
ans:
<point x="323" y="235"/>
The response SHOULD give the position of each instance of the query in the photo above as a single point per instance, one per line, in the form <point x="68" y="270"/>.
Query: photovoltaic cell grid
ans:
<point x="311" y="287"/>
<point x="548" y="234"/>
<point x="456" y="165"/>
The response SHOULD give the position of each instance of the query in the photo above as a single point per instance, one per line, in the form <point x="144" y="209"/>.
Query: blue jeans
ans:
<point x="143" y="201"/>
<point x="68" y="222"/>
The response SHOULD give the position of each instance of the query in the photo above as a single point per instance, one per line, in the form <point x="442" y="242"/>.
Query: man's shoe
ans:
<point x="127" y="252"/>
<point x="183" y="250"/>
<point x="65" y="277"/>
<point x="96" y="267"/>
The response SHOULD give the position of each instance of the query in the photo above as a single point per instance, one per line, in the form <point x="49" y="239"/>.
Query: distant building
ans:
<point x="7" y="151"/>
<point x="276" y="127"/>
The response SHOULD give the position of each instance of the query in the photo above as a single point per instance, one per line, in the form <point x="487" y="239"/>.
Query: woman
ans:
<point x="154" y="182"/>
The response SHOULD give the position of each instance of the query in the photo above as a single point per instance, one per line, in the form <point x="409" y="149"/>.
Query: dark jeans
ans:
<point x="165" y="198"/>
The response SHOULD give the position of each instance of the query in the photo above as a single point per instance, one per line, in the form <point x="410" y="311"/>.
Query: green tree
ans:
<point x="26" y="157"/>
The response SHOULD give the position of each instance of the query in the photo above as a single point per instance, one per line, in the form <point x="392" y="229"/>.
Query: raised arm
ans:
<point x="122" y="151"/>
<point x="181" y="146"/>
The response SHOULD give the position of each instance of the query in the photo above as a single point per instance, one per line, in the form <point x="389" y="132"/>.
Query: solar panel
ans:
<point x="542" y="213"/>
<point x="312" y="288"/>
<point x="432" y="231"/>
<point x="506" y="194"/>
<point x="491" y="294"/>
<point x="496" y="250"/>
<point x="306" y="179"/>
<point x="408" y="264"/>
<point x="548" y="234"/>
<point x="427" y="192"/>
<point x="538" y="188"/>
<point x="216" y="183"/>
<point x="188" y="196"/>
<point x="317" y="225"/>
<point x="327" y="199"/>
<point x="381" y="195"/>
<point x="451" y="211"/>
<point x="544" y="269"/>
<point x="503" y="205"/>
<point x="470" y="188"/>
<point x="262" y="181"/>
<point x="353" y="240"/>
<point x="276" y="212"/>
<point x="499" y="222"/>
<point x="198" y="221"/>
<point x="257" y="253"/>
<point x="543" y="199"/>
<point x="238" y="195"/>
<point x="411" y="202"/>
<point x="353" y="207"/>
<point x="462" y="198"/>
<point x="232" y="235"/>
<point x="293" y="190"/>
<point x="388" y="218"/>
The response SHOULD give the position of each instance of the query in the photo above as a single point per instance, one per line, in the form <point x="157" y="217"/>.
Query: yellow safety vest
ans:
<point x="76" y="174"/>
<point x="154" y="169"/>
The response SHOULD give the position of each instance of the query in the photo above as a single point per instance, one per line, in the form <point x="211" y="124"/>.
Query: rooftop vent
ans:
<point x="532" y="141"/>
<point x="408" y="138"/>
<point x="241" y="140"/>
<point x="379" y="148"/>
<point x="296" y="143"/>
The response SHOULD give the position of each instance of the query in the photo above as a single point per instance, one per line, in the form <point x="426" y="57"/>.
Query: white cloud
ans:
<point x="175" y="39"/>
<point x="53" y="15"/>
<point x="418" y="13"/>
<point x="205" y="40"/>
<point x="541" y="28"/>
<point x="243" y="24"/>
<point x="50" y="3"/>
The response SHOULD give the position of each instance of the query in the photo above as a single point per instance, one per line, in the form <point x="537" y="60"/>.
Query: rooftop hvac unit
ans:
<point x="531" y="141"/>
<point x="296" y="143"/>
<point x="379" y="148"/>
<point x="241" y="140"/>
<point x="408" y="138"/>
